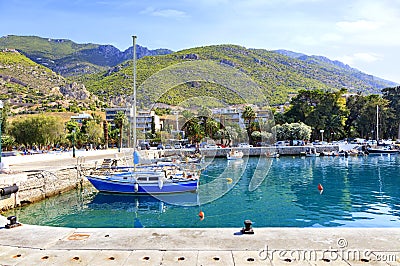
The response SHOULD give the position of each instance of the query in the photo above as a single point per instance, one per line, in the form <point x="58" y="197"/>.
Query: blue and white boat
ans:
<point x="149" y="179"/>
<point x="144" y="181"/>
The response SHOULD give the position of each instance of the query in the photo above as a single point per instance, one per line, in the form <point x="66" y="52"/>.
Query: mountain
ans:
<point x="31" y="87"/>
<point x="106" y="72"/>
<point x="69" y="58"/>
<point x="335" y="65"/>
<point x="278" y="75"/>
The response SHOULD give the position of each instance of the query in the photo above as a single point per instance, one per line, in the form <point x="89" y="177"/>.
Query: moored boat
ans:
<point x="234" y="155"/>
<point x="385" y="150"/>
<point x="144" y="180"/>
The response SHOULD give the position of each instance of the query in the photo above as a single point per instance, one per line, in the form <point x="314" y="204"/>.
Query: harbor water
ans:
<point x="282" y="192"/>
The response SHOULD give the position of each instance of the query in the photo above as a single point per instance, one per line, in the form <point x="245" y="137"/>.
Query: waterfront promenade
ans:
<point x="42" y="245"/>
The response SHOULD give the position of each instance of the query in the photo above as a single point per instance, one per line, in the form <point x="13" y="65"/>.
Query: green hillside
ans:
<point x="69" y="58"/>
<point x="278" y="76"/>
<point x="30" y="87"/>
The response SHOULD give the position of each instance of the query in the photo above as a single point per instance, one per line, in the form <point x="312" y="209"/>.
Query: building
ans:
<point x="81" y="117"/>
<point x="144" y="119"/>
<point x="229" y="115"/>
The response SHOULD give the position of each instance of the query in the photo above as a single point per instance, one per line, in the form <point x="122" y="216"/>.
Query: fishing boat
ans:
<point x="146" y="179"/>
<point x="234" y="155"/>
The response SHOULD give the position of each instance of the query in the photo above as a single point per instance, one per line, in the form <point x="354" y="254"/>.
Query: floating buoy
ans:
<point x="201" y="215"/>
<point x="229" y="180"/>
<point x="320" y="188"/>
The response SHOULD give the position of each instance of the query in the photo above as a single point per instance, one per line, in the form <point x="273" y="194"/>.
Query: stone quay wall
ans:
<point x="253" y="151"/>
<point x="36" y="186"/>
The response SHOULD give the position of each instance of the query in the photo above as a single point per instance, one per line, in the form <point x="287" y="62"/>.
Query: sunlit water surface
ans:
<point x="358" y="192"/>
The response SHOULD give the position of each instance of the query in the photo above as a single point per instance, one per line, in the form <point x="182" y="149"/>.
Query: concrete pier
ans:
<point x="42" y="245"/>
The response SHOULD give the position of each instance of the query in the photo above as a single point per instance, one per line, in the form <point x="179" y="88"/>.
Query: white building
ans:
<point x="81" y="117"/>
<point x="144" y="119"/>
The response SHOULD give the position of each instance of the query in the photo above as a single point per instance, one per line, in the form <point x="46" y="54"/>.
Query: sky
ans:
<point x="364" y="34"/>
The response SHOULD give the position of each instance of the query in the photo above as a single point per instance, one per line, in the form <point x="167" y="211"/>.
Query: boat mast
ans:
<point x="134" y="93"/>
<point x="377" y="124"/>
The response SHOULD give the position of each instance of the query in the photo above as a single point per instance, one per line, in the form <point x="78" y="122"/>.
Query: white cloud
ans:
<point x="367" y="57"/>
<point x="360" y="58"/>
<point x="359" y="25"/>
<point x="165" y="13"/>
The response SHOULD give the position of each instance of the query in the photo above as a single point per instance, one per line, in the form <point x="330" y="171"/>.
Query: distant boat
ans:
<point x="272" y="155"/>
<point x="234" y="155"/>
<point x="312" y="152"/>
<point x="385" y="150"/>
<point x="380" y="150"/>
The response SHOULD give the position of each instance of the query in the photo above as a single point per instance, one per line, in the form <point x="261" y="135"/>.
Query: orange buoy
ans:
<point x="201" y="215"/>
<point x="320" y="188"/>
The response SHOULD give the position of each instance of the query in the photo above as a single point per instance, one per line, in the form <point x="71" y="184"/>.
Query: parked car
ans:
<point x="144" y="146"/>
<point x="281" y="143"/>
<point x="244" y="145"/>
<point x="168" y="146"/>
<point x="190" y="146"/>
<point x="177" y="146"/>
<point x="160" y="147"/>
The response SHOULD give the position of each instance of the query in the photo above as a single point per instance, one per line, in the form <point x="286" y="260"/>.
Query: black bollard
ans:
<point x="13" y="222"/>
<point x="247" y="228"/>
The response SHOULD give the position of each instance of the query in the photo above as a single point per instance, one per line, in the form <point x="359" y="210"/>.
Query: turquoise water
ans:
<point x="358" y="192"/>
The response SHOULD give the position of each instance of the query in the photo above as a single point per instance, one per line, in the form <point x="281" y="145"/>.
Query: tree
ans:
<point x="392" y="95"/>
<point x="248" y="115"/>
<point x="293" y="131"/>
<point x="193" y="130"/>
<point x="37" y="130"/>
<point x="94" y="132"/>
<point x="119" y="121"/>
<point x="321" y="110"/>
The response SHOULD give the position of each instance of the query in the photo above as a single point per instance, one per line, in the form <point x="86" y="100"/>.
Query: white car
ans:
<point x="244" y="145"/>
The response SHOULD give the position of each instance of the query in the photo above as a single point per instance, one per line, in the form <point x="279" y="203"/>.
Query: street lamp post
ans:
<point x="73" y="143"/>
<point x="1" y="120"/>
<point x="322" y="135"/>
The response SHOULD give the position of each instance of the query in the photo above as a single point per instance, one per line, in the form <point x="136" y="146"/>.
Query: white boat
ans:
<point x="234" y="155"/>
<point x="312" y="152"/>
<point x="383" y="150"/>
<point x="380" y="150"/>
<point x="272" y="155"/>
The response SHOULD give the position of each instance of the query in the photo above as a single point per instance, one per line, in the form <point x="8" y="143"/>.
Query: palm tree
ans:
<point x="248" y="115"/>
<point x="119" y="122"/>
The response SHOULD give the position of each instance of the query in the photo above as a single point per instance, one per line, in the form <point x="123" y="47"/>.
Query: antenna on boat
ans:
<point x="135" y="155"/>
<point x="134" y="92"/>
<point x="377" y="124"/>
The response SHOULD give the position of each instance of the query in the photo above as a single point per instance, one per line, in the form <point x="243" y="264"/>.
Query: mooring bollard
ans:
<point x="247" y="227"/>
<point x="13" y="222"/>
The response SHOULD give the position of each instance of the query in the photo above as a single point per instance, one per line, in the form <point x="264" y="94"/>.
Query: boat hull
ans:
<point x="381" y="151"/>
<point x="129" y="187"/>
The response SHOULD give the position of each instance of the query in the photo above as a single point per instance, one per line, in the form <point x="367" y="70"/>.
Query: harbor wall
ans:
<point x="253" y="151"/>
<point x="36" y="186"/>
